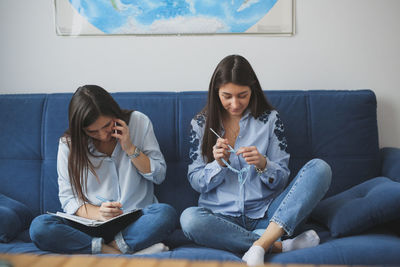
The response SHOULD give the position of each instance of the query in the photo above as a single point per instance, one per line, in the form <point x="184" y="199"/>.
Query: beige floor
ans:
<point x="25" y="260"/>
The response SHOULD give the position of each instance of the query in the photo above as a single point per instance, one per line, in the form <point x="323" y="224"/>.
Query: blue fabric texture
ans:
<point x="338" y="126"/>
<point x="15" y="218"/>
<point x="369" y="249"/>
<point x="390" y="159"/>
<point x="368" y="204"/>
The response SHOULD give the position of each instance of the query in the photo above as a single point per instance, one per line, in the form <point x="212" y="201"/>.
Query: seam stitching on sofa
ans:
<point x="43" y="152"/>
<point x="309" y="124"/>
<point x="177" y="126"/>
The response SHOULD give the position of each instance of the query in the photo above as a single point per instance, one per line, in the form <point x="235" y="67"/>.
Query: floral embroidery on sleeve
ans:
<point x="200" y="119"/>
<point x="264" y="116"/>
<point x="193" y="140"/>
<point x="194" y="145"/>
<point x="279" y="132"/>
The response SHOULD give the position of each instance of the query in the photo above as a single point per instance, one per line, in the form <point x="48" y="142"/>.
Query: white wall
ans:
<point x="339" y="44"/>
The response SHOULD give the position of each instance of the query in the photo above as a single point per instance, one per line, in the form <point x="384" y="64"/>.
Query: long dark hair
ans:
<point x="88" y="103"/>
<point x="237" y="70"/>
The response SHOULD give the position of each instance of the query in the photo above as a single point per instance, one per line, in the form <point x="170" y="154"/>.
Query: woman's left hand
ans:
<point x="122" y="135"/>
<point x="252" y="156"/>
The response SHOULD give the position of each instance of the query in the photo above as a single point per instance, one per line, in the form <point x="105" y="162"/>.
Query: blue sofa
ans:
<point x="358" y="221"/>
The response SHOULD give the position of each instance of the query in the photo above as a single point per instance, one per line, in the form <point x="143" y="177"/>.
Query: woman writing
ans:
<point x="241" y="171"/>
<point x="108" y="161"/>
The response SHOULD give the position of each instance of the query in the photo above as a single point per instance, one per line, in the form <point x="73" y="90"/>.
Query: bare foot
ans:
<point x="277" y="247"/>
<point x="113" y="244"/>
<point x="107" y="249"/>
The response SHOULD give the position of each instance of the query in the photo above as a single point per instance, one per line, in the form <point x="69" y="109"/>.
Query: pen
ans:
<point x="231" y="148"/>
<point x="102" y="199"/>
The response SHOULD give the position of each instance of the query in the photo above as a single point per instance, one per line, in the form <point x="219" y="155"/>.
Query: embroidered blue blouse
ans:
<point x="218" y="186"/>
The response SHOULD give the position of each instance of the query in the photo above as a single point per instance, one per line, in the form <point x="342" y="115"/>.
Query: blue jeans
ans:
<point x="57" y="235"/>
<point x="288" y="209"/>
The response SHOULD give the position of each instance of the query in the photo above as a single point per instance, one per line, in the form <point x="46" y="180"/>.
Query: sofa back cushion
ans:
<point x="337" y="126"/>
<point x="20" y="148"/>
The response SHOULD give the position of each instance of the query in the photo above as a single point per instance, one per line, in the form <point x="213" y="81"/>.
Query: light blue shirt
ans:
<point x="118" y="179"/>
<point x="218" y="186"/>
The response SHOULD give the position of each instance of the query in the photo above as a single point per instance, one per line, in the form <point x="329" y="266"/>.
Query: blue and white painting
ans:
<point x="172" y="16"/>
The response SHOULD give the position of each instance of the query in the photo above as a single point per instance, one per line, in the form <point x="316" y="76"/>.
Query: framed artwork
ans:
<point x="174" y="17"/>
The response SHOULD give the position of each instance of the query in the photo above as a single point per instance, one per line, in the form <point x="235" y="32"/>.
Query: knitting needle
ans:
<point x="233" y="150"/>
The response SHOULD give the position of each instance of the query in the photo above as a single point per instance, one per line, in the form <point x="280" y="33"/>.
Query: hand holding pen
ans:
<point x="109" y="209"/>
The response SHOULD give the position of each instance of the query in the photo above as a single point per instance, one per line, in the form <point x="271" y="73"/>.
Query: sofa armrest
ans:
<point x="390" y="163"/>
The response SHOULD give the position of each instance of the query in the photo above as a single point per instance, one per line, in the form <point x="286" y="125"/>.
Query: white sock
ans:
<point x="254" y="256"/>
<point x="307" y="239"/>
<point x="156" y="248"/>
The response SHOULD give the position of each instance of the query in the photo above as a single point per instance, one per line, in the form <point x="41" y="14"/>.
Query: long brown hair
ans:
<point x="232" y="69"/>
<point x="88" y="103"/>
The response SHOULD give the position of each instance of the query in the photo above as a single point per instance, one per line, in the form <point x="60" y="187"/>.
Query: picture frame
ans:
<point x="174" y="17"/>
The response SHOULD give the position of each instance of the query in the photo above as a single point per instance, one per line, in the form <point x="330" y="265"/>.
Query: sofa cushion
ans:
<point x="361" y="207"/>
<point x="344" y="133"/>
<point x="21" y="116"/>
<point x="368" y="249"/>
<point x="15" y="217"/>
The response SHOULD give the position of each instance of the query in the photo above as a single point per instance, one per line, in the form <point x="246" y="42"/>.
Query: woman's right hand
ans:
<point x="109" y="210"/>
<point x="220" y="151"/>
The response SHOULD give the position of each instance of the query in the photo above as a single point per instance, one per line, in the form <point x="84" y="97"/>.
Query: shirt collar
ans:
<point x="246" y="114"/>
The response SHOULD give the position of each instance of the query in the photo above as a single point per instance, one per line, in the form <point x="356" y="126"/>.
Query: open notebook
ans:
<point x="94" y="223"/>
